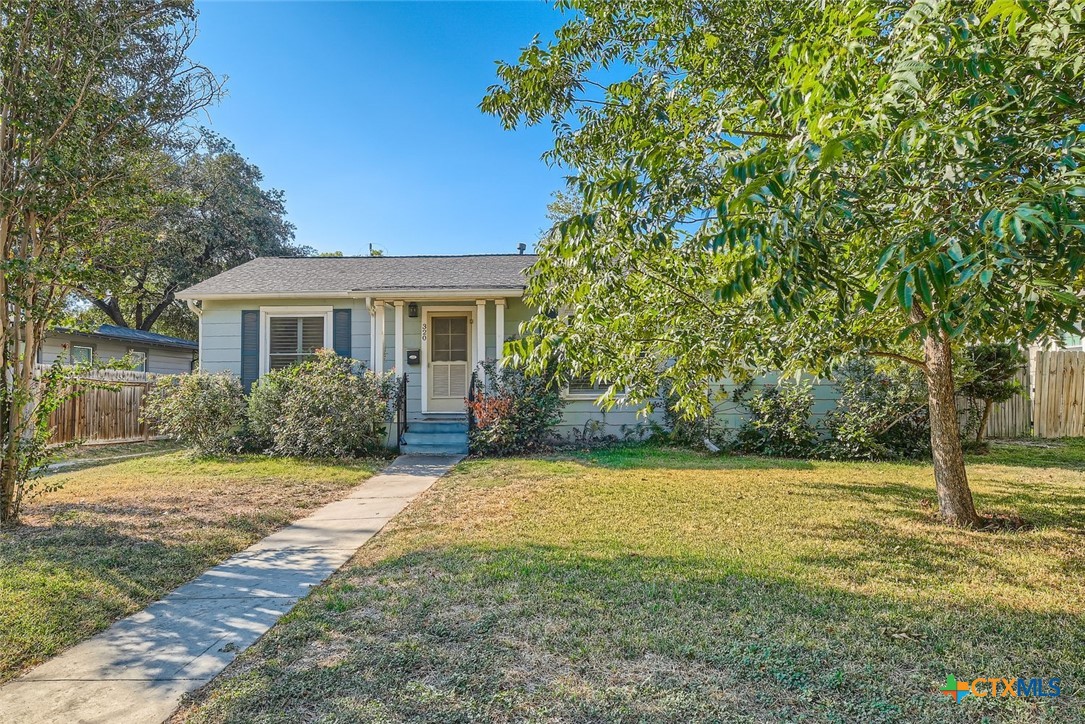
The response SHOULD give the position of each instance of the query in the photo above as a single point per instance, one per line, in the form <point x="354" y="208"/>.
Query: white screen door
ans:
<point x="449" y="363"/>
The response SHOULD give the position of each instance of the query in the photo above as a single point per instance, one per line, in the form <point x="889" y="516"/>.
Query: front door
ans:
<point x="449" y="364"/>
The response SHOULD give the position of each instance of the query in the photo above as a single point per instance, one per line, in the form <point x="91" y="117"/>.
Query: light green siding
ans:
<point x="221" y="351"/>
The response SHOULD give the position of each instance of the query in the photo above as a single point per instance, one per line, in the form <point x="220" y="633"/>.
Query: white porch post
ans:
<point x="378" y="350"/>
<point x="372" y="335"/>
<point x="399" y="338"/>
<point x="480" y="335"/>
<point x="499" y="330"/>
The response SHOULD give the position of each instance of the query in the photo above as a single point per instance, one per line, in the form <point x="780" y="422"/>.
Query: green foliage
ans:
<point x="90" y="93"/>
<point x="786" y="185"/>
<point x="848" y="178"/>
<point x="514" y="412"/>
<point x="990" y="378"/>
<point x="209" y="214"/>
<point x="326" y="407"/>
<point x="779" y="420"/>
<point x="992" y="369"/>
<point x="881" y="413"/>
<point x="203" y="410"/>
<point x="684" y="429"/>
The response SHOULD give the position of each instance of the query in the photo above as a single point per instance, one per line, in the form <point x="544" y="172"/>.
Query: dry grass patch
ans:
<point x="660" y="585"/>
<point x="117" y="536"/>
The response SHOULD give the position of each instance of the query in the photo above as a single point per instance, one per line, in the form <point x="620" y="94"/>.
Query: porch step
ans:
<point x="425" y="437"/>
<point x="434" y="448"/>
<point x="437" y="435"/>
<point x="437" y="427"/>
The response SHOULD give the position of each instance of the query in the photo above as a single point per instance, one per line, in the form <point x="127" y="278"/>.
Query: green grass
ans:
<point x="96" y="453"/>
<point x="117" y="536"/>
<point x="643" y="584"/>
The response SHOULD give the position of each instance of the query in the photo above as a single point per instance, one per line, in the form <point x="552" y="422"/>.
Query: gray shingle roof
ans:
<point x="126" y="334"/>
<point x="280" y="276"/>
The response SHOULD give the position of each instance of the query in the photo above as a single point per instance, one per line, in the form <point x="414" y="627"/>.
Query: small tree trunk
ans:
<point x="981" y="432"/>
<point x="8" y="510"/>
<point x="950" y="479"/>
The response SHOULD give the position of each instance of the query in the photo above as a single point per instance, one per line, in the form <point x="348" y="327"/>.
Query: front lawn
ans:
<point x="657" y="585"/>
<point x="117" y="536"/>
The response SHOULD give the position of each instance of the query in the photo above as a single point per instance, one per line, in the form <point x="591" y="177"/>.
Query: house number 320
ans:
<point x="424" y="331"/>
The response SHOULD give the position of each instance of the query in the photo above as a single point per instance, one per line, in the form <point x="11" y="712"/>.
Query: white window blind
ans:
<point x="293" y="339"/>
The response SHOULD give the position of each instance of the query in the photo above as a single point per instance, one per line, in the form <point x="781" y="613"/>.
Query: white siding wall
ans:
<point x="160" y="360"/>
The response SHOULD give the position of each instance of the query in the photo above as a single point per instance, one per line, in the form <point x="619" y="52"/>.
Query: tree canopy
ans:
<point x="209" y="214"/>
<point x="783" y="185"/>
<point x="89" y="92"/>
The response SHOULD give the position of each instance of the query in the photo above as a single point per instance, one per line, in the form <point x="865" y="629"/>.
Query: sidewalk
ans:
<point x="138" y="669"/>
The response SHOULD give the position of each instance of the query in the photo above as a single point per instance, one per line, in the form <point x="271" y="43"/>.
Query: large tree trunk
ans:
<point x="950" y="479"/>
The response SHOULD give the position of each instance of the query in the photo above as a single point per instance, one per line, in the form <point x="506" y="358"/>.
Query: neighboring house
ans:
<point x="149" y="352"/>
<point x="431" y="317"/>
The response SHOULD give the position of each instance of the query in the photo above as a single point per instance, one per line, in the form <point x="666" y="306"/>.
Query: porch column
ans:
<point x="378" y="349"/>
<point x="399" y="337"/>
<point x="499" y="330"/>
<point x="480" y="335"/>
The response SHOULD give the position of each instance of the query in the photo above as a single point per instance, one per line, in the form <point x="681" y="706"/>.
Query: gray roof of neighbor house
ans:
<point x="125" y="334"/>
<point x="285" y="276"/>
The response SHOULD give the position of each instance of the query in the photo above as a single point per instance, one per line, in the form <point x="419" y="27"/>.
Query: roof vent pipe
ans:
<point x="521" y="247"/>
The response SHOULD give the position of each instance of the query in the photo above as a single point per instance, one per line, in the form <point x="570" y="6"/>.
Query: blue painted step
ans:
<point x="413" y="437"/>
<point x="430" y="426"/>
<point x="434" y="449"/>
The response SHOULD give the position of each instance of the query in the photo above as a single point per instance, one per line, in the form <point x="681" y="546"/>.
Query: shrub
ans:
<point x="881" y="413"/>
<point x="328" y="406"/>
<point x="513" y="412"/>
<point x="200" y="409"/>
<point x="779" y="420"/>
<point x="679" y="428"/>
<point x="990" y="377"/>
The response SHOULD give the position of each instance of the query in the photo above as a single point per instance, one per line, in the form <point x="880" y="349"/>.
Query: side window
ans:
<point x="82" y="354"/>
<point x="139" y="360"/>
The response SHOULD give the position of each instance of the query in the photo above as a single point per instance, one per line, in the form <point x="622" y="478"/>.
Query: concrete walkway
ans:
<point x="138" y="669"/>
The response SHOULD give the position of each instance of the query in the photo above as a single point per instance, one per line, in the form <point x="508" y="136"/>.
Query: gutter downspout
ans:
<point x="194" y="307"/>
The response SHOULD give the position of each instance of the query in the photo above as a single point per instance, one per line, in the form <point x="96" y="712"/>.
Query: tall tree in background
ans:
<point x="785" y="184"/>
<point x="88" y="92"/>
<point x="212" y="215"/>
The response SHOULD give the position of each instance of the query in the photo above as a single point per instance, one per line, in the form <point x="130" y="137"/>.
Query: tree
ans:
<point x="88" y="90"/>
<point x="210" y="214"/>
<point x="992" y="378"/>
<point x="785" y="185"/>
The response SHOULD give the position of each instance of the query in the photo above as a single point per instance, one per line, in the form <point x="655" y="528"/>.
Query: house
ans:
<point x="149" y="352"/>
<point x="433" y="318"/>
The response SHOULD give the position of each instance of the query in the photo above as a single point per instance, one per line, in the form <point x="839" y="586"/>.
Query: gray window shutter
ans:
<point x="341" y="332"/>
<point x="250" y="347"/>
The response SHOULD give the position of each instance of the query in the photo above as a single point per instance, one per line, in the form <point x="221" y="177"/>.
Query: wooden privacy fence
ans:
<point x="105" y="414"/>
<point x="1053" y="404"/>
<point x="1058" y="393"/>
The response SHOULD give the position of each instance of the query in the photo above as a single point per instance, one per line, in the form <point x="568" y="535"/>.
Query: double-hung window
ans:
<point x="293" y="339"/>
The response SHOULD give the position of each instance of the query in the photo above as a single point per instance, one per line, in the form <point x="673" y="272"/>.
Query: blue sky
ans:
<point x="366" y="115"/>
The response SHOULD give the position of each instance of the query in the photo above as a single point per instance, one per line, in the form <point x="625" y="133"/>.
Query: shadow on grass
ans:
<point x="466" y="633"/>
<point x="66" y="581"/>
